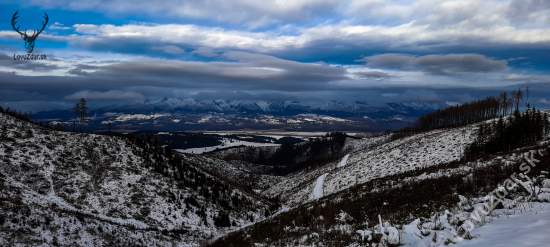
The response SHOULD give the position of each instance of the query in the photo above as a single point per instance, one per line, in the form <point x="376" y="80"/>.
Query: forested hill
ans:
<point x="292" y="157"/>
<point x="508" y="133"/>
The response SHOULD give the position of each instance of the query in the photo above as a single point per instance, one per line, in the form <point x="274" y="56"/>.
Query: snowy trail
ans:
<point x="318" y="190"/>
<point x="344" y="160"/>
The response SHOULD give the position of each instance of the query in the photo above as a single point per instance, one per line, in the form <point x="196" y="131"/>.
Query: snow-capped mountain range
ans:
<point x="272" y="107"/>
<point x="191" y="114"/>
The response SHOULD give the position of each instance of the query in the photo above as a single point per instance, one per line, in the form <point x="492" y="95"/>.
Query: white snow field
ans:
<point x="318" y="190"/>
<point x="526" y="229"/>
<point x="522" y="224"/>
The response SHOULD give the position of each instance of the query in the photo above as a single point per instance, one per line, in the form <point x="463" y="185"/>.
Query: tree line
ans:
<point x="27" y="117"/>
<point x="506" y="134"/>
<point x="467" y="113"/>
<point x="81" y="116"/>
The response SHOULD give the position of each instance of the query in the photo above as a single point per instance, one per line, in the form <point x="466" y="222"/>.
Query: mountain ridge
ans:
<point x="275" y="106"/>
<point x="191" y="114"/>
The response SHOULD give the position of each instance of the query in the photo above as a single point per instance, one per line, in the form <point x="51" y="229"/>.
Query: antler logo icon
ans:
<point x="29" y="41"/>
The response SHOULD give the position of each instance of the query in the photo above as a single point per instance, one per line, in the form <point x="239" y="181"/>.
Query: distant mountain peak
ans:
<point x="188" y="113"/>
<point x="222" y="105"/>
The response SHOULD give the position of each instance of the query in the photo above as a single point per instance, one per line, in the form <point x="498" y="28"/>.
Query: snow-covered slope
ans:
<point x="527" y="228"/>
<point x="418" y="151"/>
<point x="350" y="217"/>
<point x="353" y="145"/>
<point x="240" y="172"/>
<point x="87" y="190"/>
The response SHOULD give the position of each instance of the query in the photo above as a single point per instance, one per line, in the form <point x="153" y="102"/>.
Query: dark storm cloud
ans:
<point x="78" y="71"/>
<point x="251" y="70"/>
<point x="460" y="98"/>
<point x="374" y="74"/>
<point x="7" y="61"/>
<point x="451" y="64"/>
<point x="7" y="74"/>
<point x="19" y="95"/>
<point x="109" y="95"/>
<point x="419" y="96"/>
<point x="241" y="95"/>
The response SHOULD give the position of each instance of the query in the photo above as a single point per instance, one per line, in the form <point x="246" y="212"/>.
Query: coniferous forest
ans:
<point x="515" y="131"/>
<point x="292" y="157"/>
<point x="467" y="113"/>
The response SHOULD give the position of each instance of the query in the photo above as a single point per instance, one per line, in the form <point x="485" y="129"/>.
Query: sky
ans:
<point x="117" y="52"/>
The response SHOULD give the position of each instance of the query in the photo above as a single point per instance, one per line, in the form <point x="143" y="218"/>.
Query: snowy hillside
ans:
<point x="243" y="173"/>
<point x="89" y="190"/>
<point x="531" y="223"/>
<point x="428" y="206"/>
<point x="63" y="188"/>
<point x="418" y="151"/>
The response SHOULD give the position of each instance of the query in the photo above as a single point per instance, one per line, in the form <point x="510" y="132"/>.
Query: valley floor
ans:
<point x="228" y="144"/>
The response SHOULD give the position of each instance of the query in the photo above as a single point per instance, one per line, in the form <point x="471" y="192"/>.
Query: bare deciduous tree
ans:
<point x="82" y="110"/>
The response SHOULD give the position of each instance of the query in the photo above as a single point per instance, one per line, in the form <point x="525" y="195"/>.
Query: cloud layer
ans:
<point x="370" y="50"/>
<point x="451" y="64"/>
<point x="112" y="94"/>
